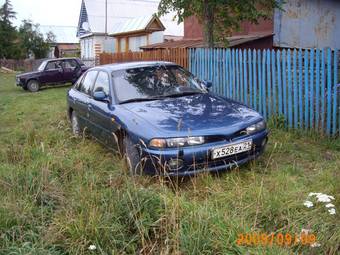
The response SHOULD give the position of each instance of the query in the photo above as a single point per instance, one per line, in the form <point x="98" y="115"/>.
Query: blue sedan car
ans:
<point x="164" y="120"/>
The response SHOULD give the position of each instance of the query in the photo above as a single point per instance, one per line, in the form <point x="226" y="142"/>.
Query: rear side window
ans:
<point x="86" y="84"/>
<point x="70" y="64"/>
<point x="102" y="83"/>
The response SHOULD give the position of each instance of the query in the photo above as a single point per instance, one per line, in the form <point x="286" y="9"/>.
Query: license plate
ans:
<point x="231" y="149"/>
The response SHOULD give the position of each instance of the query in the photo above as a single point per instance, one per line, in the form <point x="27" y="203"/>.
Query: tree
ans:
<point x="219" y="17"/>
<point x="33" y="41"/>
<point x="8" y="33"/>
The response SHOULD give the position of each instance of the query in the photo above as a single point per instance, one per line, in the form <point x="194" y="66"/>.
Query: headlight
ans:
<point x="256" y="127"/>
<point x="176" y="142"/>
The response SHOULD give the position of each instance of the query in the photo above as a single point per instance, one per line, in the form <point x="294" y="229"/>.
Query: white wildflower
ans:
<point x="308" y="204"/>
<point x="331" y="211"/>
<point x="92" y="247"/>
<point x="314" y="194"/>
<point x="330" y="205"/>
<point x="324" y="198"/>
<point x="314" y="245"/>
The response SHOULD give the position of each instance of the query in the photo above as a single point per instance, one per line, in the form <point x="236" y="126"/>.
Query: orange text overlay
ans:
<point x="280" y="239"/>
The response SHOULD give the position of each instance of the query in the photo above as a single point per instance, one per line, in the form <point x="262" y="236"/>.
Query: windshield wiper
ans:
<point x="133" y="100"/>
<point x="188" y="93"/>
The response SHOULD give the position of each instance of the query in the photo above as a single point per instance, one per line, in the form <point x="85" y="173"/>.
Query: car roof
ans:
<point x="128" y="65"/>
<point x="58" y="59"/>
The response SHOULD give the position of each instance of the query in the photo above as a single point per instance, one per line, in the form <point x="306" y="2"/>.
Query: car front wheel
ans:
<point x="132" y="158"/>
<point x="33" y="86"/>
<point x="75" y="124"/>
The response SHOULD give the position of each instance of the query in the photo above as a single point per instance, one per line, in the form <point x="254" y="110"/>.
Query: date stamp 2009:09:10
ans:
<point x="280" y="239"/>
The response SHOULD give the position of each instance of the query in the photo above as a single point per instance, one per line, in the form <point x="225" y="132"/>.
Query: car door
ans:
<point x="71" y="68"/>
<point x="82" y="100"/>
<point x="102" y="112"/>
<point x="53" y="73"/>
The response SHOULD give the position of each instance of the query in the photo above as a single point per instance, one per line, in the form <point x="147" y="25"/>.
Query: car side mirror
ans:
<point x="207" y="84"/>
<point x="60" y="69"/>
<point x="100" y="96"/>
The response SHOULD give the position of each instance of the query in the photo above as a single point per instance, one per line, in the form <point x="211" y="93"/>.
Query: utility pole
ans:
<point x="105" y="18"/>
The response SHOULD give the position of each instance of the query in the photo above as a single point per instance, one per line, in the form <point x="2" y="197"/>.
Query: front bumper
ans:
<point x="197" y="159"/>
<point x="19" y="82"/>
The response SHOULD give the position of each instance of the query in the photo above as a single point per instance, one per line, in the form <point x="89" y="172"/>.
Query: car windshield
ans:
<point x="149" y="83"/>
<point x="42" y="66"/>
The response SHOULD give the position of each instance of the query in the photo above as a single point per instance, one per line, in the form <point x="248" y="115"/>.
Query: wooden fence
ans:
<point x="299" y="85"/>
<point x="177" y="55"/>
<point x="21" y="64"/>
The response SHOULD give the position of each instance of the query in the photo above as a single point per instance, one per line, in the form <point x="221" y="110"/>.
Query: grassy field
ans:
<point x="60" y="195"/>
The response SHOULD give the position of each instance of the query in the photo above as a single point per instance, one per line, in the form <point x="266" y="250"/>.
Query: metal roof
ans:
<point x="199" y="43"/>
<point x="136" y="25"/>
<point x="120" y="11"/>
<point x="64" y="34"/>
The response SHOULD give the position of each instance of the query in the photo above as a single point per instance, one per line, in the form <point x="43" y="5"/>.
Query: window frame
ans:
<point x="94" y="84"/>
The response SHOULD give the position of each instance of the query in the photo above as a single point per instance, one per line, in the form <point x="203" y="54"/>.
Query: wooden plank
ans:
<point x="329" y="91"/>
<point x="240" y="91"/>
<point x="279" y="82"/>
<point x="290" y="110"/>
<point x="306" y="89"/>
<point x="259" y="75"/>
<point x="274" y="88"/>
<point x="284" y="85"/>
<point x="317" y="88"/>
<point x="311" y="90"/>
<point x="300" y="89"/>
<point x="323" y="87"/>
<point x="295" y="91"/>
<point x="268" y="97"/>
<point x="245" y="78"/>
<point x="335" y="91"/>
<point x="250" y="82"/>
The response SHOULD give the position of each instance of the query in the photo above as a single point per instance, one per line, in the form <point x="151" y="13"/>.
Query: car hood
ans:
<point x="200" y="113"/>
<point x="28" y="74"/>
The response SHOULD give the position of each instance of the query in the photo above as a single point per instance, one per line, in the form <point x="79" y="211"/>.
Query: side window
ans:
<point x="102" y="83"/>
<point x="71" y="64"/>
<point x="87" y="82"/>
<point x="51" y="65"/>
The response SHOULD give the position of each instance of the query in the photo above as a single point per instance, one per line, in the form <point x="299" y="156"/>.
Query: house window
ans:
<point x="122" y="45"/>
<point x="136" y="42"/>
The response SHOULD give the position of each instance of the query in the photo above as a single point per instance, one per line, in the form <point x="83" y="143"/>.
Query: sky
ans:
<point x="47" y="12"/>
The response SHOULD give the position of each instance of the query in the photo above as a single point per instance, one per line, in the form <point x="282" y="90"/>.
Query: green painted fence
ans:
<point x="300" y="85"/>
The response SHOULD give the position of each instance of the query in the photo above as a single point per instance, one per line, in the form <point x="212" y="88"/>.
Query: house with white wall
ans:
<point x="101" y="18"/>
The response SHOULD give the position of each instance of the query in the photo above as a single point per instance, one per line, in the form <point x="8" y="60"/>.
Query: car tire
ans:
<point x="33" y="86"/>
<point x="132" y="158"/>
<point x="75" y="124"/>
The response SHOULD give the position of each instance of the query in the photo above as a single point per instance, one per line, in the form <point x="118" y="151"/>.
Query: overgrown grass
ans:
<point x="59" y="195"/>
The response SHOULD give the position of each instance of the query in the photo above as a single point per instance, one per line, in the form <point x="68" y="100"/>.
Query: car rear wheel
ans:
<point x="75" y="124"/>
<point x="132" y="158"/>
<point x="33" y="86"/>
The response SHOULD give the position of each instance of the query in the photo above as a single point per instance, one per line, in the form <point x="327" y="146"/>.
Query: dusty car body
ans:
<point x="164" y="120"/>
